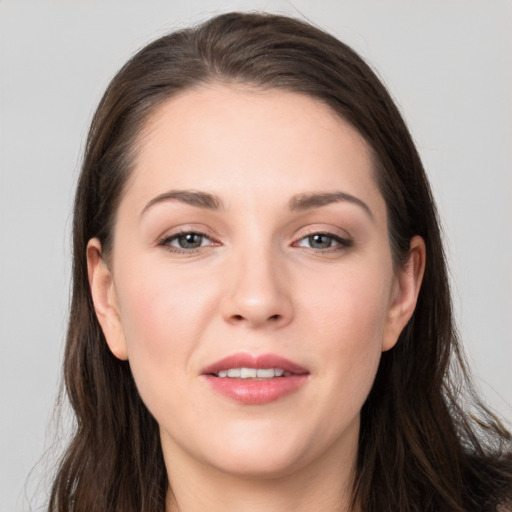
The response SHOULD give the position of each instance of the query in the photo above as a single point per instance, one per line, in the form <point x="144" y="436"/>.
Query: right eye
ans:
<point x="187" y="241"/>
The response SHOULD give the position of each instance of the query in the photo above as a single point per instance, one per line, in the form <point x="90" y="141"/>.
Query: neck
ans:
<point x="268" y="495"/>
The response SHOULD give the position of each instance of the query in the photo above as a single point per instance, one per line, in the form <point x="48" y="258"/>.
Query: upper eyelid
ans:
<point x="177" y="234"/>
<point x="310" y="231"/>
<point x="166" y="240"/>
<point x="334" y="236"/>
<point x="187" y="231"/>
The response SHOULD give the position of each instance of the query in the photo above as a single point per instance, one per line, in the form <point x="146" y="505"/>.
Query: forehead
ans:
<point x="251" y="141"/>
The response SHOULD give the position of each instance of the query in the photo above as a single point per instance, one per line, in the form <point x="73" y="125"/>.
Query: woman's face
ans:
<point x="252" y="235"/>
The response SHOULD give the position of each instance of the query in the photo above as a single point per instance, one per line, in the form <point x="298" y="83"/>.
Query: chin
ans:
<point x="261" y="466"/>
<point x="272" y="453"/>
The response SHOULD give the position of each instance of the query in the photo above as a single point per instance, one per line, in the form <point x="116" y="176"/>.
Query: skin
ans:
<point x="257" y="284"/>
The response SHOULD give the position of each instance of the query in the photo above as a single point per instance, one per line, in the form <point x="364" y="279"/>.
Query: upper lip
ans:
<point x="243" y="360"/>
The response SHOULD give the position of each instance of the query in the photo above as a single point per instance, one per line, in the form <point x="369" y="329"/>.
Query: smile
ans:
<point x="253" y="373"/>
<point x="255" y="380"/>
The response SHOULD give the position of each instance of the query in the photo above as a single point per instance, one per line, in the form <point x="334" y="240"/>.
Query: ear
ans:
<point x="104" y="298"/>
<point x="405" y="294"/>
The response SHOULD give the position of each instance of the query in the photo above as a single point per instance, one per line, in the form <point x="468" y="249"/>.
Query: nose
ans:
<point x="258" y="293"/>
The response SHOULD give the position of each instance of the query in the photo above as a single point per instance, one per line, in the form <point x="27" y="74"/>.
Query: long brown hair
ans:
<point x="419" y="448"/>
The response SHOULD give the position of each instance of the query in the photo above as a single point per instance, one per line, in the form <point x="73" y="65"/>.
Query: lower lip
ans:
<point x="256" y="392"/>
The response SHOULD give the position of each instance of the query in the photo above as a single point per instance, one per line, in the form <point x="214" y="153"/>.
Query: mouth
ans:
<point x="255" y="380"/>
<point x="252" y="373"/>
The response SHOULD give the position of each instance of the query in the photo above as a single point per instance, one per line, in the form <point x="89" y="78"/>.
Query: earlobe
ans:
<point x="408" y="285"/>
<point x="105" y="301"/>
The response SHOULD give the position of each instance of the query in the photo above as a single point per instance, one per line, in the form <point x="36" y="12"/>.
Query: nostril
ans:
<point x="273" y="318"/>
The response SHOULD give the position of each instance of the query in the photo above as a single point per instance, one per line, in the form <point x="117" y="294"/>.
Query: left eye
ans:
<point x="191" y="240"/>
<point x="322" y="241"/>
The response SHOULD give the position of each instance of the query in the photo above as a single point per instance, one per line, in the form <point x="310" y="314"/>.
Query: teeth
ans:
<point x="247" y="373"/>
<point x="265" y="374"/>
<point x="252" y="373"/>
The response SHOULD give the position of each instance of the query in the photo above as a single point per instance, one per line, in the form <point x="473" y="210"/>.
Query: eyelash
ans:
<point x="341" y="243"/>
<point x="165" y="242"/>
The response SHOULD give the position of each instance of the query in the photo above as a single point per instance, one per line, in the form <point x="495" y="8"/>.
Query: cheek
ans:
<point x="352" y="347"/>
<point x="162" y="316"/>
<point x="352" y="306"/>
<point x="348" y="316"/>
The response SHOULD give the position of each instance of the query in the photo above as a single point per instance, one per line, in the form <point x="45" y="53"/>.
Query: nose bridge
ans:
<point x="257" y="293"/>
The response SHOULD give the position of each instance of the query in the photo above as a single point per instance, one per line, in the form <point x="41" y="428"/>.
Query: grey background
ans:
<point x="448" y="64"/>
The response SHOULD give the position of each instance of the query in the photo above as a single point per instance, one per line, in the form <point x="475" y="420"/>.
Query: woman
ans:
<point x="261" y="316"/>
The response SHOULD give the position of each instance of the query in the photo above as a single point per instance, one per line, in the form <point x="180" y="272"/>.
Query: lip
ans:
<point x="255" y="391"/>
<point x="243" y="360"/>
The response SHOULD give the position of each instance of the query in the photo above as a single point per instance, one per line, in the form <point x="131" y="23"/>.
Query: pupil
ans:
<point x="190" y="241"/>
<point x="320" y="241"/>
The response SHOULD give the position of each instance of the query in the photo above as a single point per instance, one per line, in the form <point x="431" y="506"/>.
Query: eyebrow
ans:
<point x="191" y="197"/>
<point x="299" y="202"/>
<point x="303" y="202"/>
